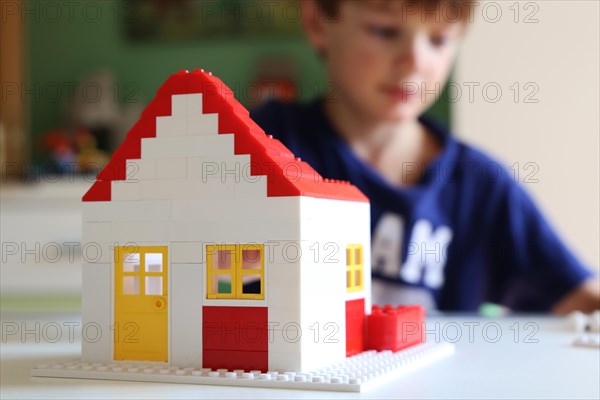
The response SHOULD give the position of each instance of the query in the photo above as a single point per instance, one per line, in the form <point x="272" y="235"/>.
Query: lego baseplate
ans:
<point x="355" y="374"/>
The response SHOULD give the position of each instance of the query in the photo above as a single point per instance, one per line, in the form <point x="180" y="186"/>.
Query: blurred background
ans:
<point x="76" y="75"/>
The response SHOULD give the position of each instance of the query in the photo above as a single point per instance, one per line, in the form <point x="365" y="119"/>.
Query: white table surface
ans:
<point x="539" y="362"/>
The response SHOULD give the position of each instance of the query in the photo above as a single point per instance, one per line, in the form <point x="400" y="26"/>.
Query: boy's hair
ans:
<point x="452" y="10"/>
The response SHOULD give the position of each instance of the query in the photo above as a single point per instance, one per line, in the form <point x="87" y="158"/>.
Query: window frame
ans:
<point x="235" y="271"/>
<point x="354" y="268"/>
<point x="120" y="258"/>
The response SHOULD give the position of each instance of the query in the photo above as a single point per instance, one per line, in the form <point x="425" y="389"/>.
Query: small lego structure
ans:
<point x="580" y="322"/>
<point x="219" y="251"/>
<point x="588" y="340"/>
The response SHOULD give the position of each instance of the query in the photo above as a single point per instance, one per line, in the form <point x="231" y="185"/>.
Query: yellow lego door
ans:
<point x="141" y="312"/>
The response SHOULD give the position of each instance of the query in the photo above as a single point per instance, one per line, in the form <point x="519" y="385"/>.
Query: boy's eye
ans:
<point x="384" y="32"/>
<point x="439" y="40"/>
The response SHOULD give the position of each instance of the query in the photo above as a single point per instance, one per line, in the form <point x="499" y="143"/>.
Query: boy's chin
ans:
<point x="402" y="113"/>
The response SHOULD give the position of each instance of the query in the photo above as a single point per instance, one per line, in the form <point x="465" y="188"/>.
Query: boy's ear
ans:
<point x="313" y="22"/>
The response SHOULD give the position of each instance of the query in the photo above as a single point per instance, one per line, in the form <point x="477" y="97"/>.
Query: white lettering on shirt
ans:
<point x="386" y="246"/>
<point x="426" y="252"/>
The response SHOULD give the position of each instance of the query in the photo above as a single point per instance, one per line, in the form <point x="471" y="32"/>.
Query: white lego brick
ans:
<point x="284" y="296"/>
<point x="335" y="231"/>
<point x="96" y="306"/>
<point x="269" y="230"/>
<point x="171" y="168"/>
<point x="97" y="252"/>
<point x="255" y="188"/>
<point x="282" y="274"/>
<point x="185" y="189"/>
<point x="321" y="207"/>
<point x="234" y="303"/>
<point x="284" y="362"/>
<point x="266" y="230"/>
<point x="171" y="126"/>
<point x="322" y="357"/>
<point x="187" y="252"/>
<point x="222" y="229"/>
<point x="223" y="167"/>
<point x="346" y="217"/>
<point x="221" y="145"/>
<point x="179" y="104"/>
<point x="125" y="190"/>
<point x="286" y="340"/>
<point x="96" y="211"/>
<point x="194" y="103"/>
<point x="323" y="310"/>
<point x="213" y="231"/>
<point x="272" y="208"/>
<point x="138" y="232"/>
<point x="187" y="231"/>
<point x="186" y="315"/>
<point x="141" y="169"/>
<point x="203" y="125"/>
<point x="187" y="146"/>
<point x="359" y="373"/>
<point x="284" y="315"/>
<point x="288" y="253"/>
<point x="96" y="232"/>
<point x="324" y="305"/>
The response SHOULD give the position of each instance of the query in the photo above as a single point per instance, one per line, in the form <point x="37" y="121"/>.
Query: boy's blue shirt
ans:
<point x="466" y="232"/>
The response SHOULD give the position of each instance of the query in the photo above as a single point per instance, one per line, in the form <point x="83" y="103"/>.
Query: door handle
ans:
<point x="159" y="303"/>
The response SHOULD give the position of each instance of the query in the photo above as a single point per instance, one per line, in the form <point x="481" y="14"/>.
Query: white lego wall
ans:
<point x="329" y="226"/>
<point x="96" y="313"/>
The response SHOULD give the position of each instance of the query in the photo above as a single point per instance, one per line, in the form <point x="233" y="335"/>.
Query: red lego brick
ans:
<point x="100" y="191"/>
<point x="234" y="336"/>
<point x="355" y="326"/>
<point x="231" y="360"/>
<point x="235" y="328"/>
<point x="395" y="328"/>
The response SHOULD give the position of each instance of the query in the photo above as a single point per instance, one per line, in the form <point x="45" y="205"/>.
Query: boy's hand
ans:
<point x="586" y="298"/>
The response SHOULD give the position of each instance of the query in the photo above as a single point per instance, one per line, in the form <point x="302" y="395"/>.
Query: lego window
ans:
<point x="235" y="272"/>
<point x="251" y="283"/>
<point x="140" y="272"/>
<point x="154" y="285"/>
<point x="153" y="262"/>
<point x="131" y="262"/>
<point x="221" y="283"/>
<point x="354" y="268"/>
<point x="131" y="285"/>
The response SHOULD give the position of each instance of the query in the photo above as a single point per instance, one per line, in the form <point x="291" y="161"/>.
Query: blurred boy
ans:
<point x="450" y="227"/>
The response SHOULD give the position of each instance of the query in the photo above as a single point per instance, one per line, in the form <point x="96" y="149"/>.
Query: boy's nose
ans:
<point x="411" y="55"/>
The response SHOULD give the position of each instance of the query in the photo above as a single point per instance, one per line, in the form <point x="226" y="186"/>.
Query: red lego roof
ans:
<point x="287" y="175"/>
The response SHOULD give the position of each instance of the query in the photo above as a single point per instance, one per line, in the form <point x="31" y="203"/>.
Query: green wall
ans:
<point x="66" y="51"/>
